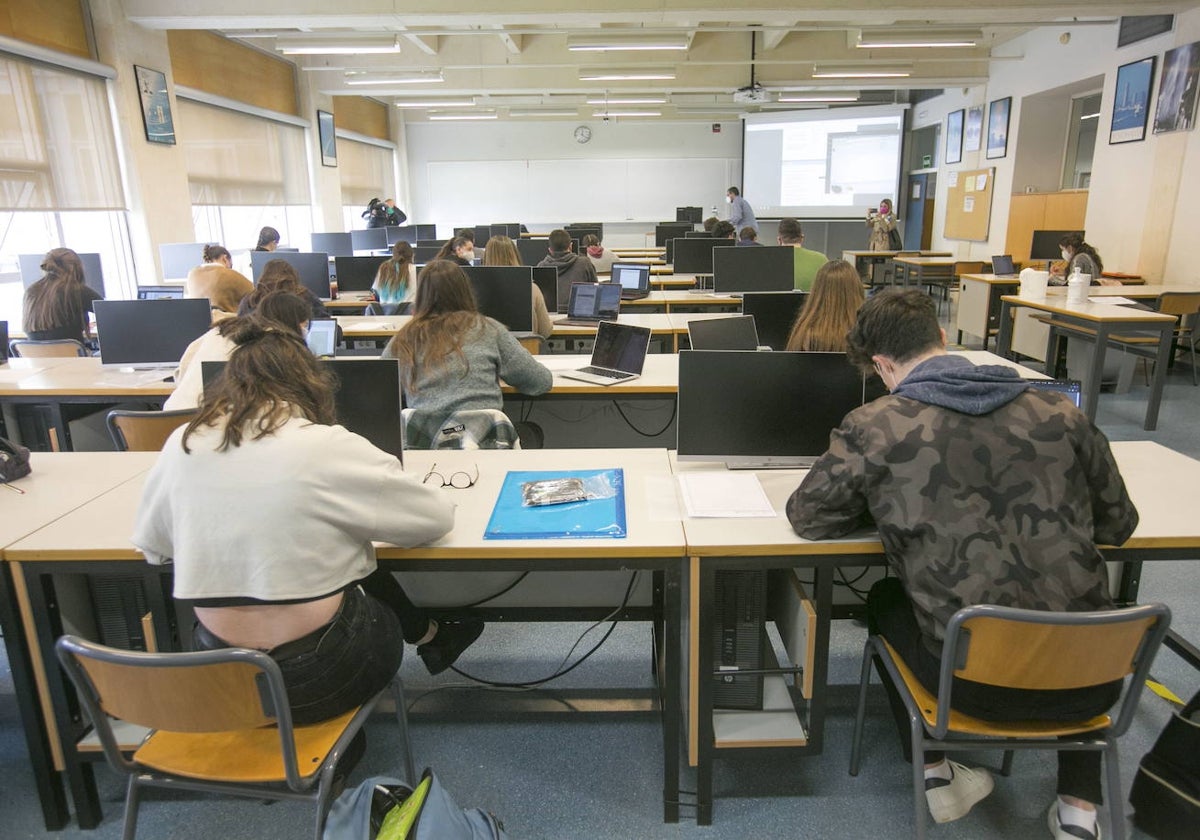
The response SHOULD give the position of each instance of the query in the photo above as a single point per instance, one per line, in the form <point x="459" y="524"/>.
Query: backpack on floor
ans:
<point x="1166" y="790"/>
<point x="383" y="808"/>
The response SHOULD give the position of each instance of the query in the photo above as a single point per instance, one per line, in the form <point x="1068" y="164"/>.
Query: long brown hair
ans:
<point x="450" y="249"/>
<point x="393" y="274"/>
<point x="444" y="313"/>
<point x="277" y="276"/>
<point x="829" y="312"/>
<point x="269" y="378"/>
<point x="282" y="309"/>
<point x="54" y="301"/>
<point x="501" y="251"/>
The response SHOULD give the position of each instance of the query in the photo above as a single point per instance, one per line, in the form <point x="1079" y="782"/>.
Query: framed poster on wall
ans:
<point x="1176" y="108"/>
<point x="997" y="127"/>
<point x="156" y="105"/>
<point x="954" y="136"/>
<point x="328" y="138"/>
<point x="1131" y="104"/>
<point x="973" y="131"/>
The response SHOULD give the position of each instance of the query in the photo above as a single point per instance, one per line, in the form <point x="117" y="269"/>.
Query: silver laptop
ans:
<point x="322" y="337"/>
<point x="618" y="355"/>
<point x="634" y="279"/>
<point x="592" y="303"/>
<point x="1002" y="266"/>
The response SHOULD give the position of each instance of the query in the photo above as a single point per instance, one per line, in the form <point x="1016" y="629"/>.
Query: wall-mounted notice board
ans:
<point x="969" y="203"/>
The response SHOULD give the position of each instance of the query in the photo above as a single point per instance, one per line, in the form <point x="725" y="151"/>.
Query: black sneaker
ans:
<point x="453" y="637"/>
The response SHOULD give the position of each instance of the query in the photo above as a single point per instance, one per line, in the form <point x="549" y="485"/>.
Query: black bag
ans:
<point x="895" y="243"/>
<point x="14" y="461"/>
<point x="1166" y="790"/>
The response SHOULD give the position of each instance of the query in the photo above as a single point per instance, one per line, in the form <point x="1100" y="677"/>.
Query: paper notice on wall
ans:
<point x="981" y="181"/>
<point x="916" y="190"/>
<point x="969" y="204"/>
<point x="952" y="179"/>
<point x="969" y="186"/>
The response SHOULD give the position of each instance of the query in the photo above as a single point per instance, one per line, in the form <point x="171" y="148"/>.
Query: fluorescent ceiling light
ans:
<point x="394" y="78"/>
<point x="605" y="114"/>
<point x="337" y="46"/>
<point x="624" y="74"/>
<point x="621" y="42"/>
<point x="910" y="38"/>
<point x="628" y="100"/>
<point x="876" y="71"/>
<point x="847" y="96"/>
<point x="447" y="117"/>
<point x="1090" y="116"/>
<point x="467" y="102"/>
<point x="543" y="112"/>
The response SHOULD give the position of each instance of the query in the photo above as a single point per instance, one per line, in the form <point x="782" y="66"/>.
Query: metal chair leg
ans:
<point x="1006" y="766"/>
<point x="1116" y="808"/>
<point x="920" y="805"/>
<point x="861" y="713"/>
<point x="132" y="799"/>
<point x="402" y="723"/>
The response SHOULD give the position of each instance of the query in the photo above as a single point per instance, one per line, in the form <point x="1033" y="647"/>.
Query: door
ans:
<point x="918" y="220"/>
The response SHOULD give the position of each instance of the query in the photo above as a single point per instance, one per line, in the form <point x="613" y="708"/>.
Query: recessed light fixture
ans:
<point x="625" y="74"/>
<point x="628" y="100"/>
<point x="617" y="42"/>
<point x="606" y="114"/>
<point x="891" y="38"/>
<point x="361" y="78"/>
<point x="877" y="71"/>
<point x="337" y="46"/>
<point x="450" y="117"/>
<point x="465" y="102"/>
<point x="847" y="96"/>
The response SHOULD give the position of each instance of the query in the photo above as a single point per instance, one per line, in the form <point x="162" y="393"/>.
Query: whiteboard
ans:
<point x="564" y="190"/>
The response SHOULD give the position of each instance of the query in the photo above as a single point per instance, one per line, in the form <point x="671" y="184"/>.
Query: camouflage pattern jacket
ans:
<point x="1001" y="501"/>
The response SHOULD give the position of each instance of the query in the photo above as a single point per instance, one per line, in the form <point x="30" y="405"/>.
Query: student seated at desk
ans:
<point x="217" y="281"/>
<point x="451" y="357"/>
<point x="460" y="250"/>
<point x="805" y="262"/>
<point x="602" y="260"/>
<point x="984" y="491"/>
<point x="503" y="251"/>
<point x="280" y="276"/>
<point x="830" y="311"/>
<point x="748" y="237"/>
<point x="724" y="230"/>
<point x="57" y="306"/>
<point x="570" y="266"/>
<point x="396" y="279"/>
<point x="1078" y="254"/>
<point x="266" y="510"/>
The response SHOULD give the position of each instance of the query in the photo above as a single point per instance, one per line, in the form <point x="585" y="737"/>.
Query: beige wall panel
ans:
<point x="57" y="24"/>
<point x="218" y="66"/>
<point x="361" y="115"/>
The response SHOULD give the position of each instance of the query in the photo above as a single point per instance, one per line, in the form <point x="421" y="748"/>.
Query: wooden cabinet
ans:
<point x="1042" y="211"/>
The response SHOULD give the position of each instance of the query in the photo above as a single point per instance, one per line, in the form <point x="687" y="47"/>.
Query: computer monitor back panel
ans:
<point x="546" y="279"/>
<point x="773" y="313"/>
<point x="178" y="258"/>
<point x="761" y="410"/>
<point x="423" y="254"/>
<point x="695" y="256"/>
<point x="733" y="333"/>
<point x="313" y="268"/>
<point x="689" y="214"/>
<point x="504" y="293"/>
<point x="532" y="251"/>
<point x="770" y="268"/>
<point x="149" y="333"/>
<point x="356" y="274"/>
<point x="669" y="230"/>
<point x="1044" y="245"/>
<point x="333" y="244"/>
<point x="93" y="275"/>
<point x="371" y="239"/>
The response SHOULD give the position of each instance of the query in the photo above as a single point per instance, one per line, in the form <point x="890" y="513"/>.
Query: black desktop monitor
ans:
<point x="698" y="234"/>
<point x="371" y="239"/>
<point x="366" y="399"/>
<point x="3" y="342"/>
<point x="482" y="234"/>
<point x="356" y="274"/>
<point x="404" y="233"/>
<point x="695" y="256"/>
<point x="754" y="410"/>
<point x="425" y="253"/>
<point x="504" y="292"/>
<point x="149" y="333"/>
<point x="533" y="251"/>
<point x="333" y="244"/>
<point x="425" y="231"/>
<point x="510" y="229"/>
<point x="178" y="258"/>
<point x="770" y="268"/>
<point x="313" y="268"/>
<point x="733" y="333"/>
<point x="689" y="214"/>
<point x="93" y="276"/>
<point x="546" y="279"/>
<point x="429" y="243"/>
<point x="159" y="292"/>
<point x="1045" y="244"/>
<point x="773" y="313"/>
<point x="669" y="230"/>
<point x="579" y="232"/>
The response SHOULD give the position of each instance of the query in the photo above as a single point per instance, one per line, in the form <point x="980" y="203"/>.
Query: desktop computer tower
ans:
<point x="738" y="637"/>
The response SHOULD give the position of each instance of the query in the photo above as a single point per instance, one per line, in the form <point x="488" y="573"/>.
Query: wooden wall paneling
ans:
<point x="216" y="65"/>
<point x="1066" y="210"/>
<point x="57" y="24"/>
<point x="1026" y="213"/>
<point x="361" y="115"/>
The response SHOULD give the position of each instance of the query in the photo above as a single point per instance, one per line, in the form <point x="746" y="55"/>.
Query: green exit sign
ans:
<point x="926" y="161"/>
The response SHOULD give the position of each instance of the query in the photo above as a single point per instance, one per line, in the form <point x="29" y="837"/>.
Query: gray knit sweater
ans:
<point x="492" y="354"/>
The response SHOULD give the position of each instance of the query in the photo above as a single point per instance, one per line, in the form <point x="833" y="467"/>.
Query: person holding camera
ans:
<point x="882" y="223"/>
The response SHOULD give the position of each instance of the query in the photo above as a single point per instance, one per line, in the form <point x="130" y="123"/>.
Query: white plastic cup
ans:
<point x="1033" y="283"/>
<point x="1077" y="289"/>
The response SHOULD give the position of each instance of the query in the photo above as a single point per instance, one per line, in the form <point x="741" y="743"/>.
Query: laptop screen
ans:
<point x="620" y="347"/>
<point x="594" y="300"/>
<point x="1003" y="265"/>
<point x="322" y="337"/>
<point x="631" y="276"/>
<point x="1069" y="387"/>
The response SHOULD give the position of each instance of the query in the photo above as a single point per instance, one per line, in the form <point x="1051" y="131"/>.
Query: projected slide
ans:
<point x="822" y="164"/>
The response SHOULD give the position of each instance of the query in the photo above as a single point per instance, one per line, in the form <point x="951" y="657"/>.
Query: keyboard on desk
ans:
<point x="599" y="371"/>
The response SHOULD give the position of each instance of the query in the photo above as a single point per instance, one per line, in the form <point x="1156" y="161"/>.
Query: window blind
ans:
<point x="365" y="170"/>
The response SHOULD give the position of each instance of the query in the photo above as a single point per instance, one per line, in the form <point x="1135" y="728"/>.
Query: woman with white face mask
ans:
<point x="1078" y="254"/>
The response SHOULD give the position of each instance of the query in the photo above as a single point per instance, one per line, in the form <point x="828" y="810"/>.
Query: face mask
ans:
<point x="729" y="199"/>
<point x="1066" y="255"/>
<point x="884" y="209"/>
<point x="468" y="255"/>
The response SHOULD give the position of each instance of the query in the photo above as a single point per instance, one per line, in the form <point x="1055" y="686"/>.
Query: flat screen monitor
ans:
<point x="689" y="214"/>
<point x="93" y="276"/>
<point x="733" y="333"/>
<point x="313" y="268"/>
<point x="546" y="279"/>
<point x="510" y="229"/>
<point x="425" y="231"/>
<point x="432" y="242"/>
<point x="159" y="292"/>
<point x="773" y="313"/>
<point x="580" y="232"/>
<point x="178" y="258"/>
<point x="504" y="293"/>
<point x="669" y="230"/>
<point x="367" y="399"/>
<point x="149" y="333"/>
<point x="356" y="274"/>
<point x="770" y="268"/>
<point x="698" y="234"/>
<point x="482" y="234"/>
<point x="695" y="256"/>
<point x="425" y="253"/>
<point x="334" y="244"/>
<point x="403" y="233"/>
<point x="371" y="239"/>
<point x="533" y="251"/>
<point x="762" y="410"/>
<point x="1044" y="245"/>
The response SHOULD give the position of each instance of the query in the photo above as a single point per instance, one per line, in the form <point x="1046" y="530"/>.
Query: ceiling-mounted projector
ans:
<point x="750" y="95"/>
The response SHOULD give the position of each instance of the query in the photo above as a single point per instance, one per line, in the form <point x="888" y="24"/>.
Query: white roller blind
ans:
<point x="366" y="171"/>
<point x="239" y="159"/>
<point x="57" y="147"/>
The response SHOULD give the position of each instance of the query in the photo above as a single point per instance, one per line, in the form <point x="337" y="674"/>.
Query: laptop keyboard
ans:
<point x="599" y="371"/>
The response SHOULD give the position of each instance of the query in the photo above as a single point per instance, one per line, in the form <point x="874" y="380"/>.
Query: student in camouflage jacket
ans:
<point x="984" y="491"/>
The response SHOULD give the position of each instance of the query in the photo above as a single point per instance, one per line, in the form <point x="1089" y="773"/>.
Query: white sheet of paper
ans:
<point x="981" y="181"/>
<point x="952" y="178"/>
<point x="969" y="204"/>
<point x="724" y="493"/>
<point x="1120" y="301"/>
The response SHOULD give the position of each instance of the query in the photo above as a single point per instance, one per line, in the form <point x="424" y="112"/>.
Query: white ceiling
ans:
<point x="513" y="57"/>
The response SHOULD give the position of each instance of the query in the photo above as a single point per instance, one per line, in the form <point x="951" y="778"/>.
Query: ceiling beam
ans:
<point x="427" y="44"/>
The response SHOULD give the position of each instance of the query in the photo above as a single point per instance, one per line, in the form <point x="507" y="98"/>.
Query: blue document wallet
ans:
<point x="601" y="515"/>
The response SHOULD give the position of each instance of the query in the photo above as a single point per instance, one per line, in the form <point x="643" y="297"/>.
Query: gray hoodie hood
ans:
<point x="953" y="382"/>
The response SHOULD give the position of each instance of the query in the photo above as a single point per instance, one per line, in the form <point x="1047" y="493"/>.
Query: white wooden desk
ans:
<point x="864" y="260"/>
<point x="923" y="270"/>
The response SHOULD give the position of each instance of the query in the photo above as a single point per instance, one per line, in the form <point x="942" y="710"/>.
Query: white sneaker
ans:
<point x="1069" y="831"/>
<point x="949" y="800"/>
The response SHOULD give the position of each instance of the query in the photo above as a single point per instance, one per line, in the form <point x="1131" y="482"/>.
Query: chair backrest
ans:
<point x="969" y="267"/>
<point x="484" y="428"/>
<point x="145" y="431"/>
<point x="30" y="349"/>
<point x="1179" y="303"/>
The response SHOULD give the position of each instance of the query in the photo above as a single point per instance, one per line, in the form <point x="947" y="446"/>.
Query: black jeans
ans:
<point x="890" y="614"/>
<point x="349" y="660"/>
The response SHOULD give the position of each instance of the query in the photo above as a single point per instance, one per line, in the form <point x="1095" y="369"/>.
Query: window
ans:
<point x="1081" y="141"/>
<point x="366" y="171"/>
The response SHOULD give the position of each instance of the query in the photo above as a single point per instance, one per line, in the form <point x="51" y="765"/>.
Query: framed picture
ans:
<point x="997" y="127"/>
<point x="328" y="138"/>
<point x="954" y="136"/>
<point x="1176" y="108"/>
<point x="973" y="132"/>
<point x="156" y="105"/>
<point x="1131" y="105"/>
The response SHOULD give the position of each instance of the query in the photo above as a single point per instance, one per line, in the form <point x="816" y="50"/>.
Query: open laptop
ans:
<point x="1002" y="266"/>
<point x="736" y="332"/>
<point x="1070" y="388"/>
<point x="592" y="303"/>
<point x="322" y="337"/>
<point x="633" y="278"/>
<point x="617" y="356"/>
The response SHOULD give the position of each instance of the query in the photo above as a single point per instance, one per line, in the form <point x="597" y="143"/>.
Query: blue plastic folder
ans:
<point x="594" y="518"/>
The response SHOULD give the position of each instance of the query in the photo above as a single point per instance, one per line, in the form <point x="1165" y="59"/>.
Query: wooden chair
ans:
<point x="1186" y="306"/>
<point x="1026" y="649"/>
<point x="219" y="722"/>
<point x="27" y="348"/>
<point x="145" y="431"/>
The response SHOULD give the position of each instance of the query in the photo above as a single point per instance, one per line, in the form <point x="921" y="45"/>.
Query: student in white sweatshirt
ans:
<point x="267" y="511"/>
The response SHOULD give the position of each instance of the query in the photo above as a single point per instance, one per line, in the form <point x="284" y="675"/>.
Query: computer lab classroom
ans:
<point x="676" y="662"/>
